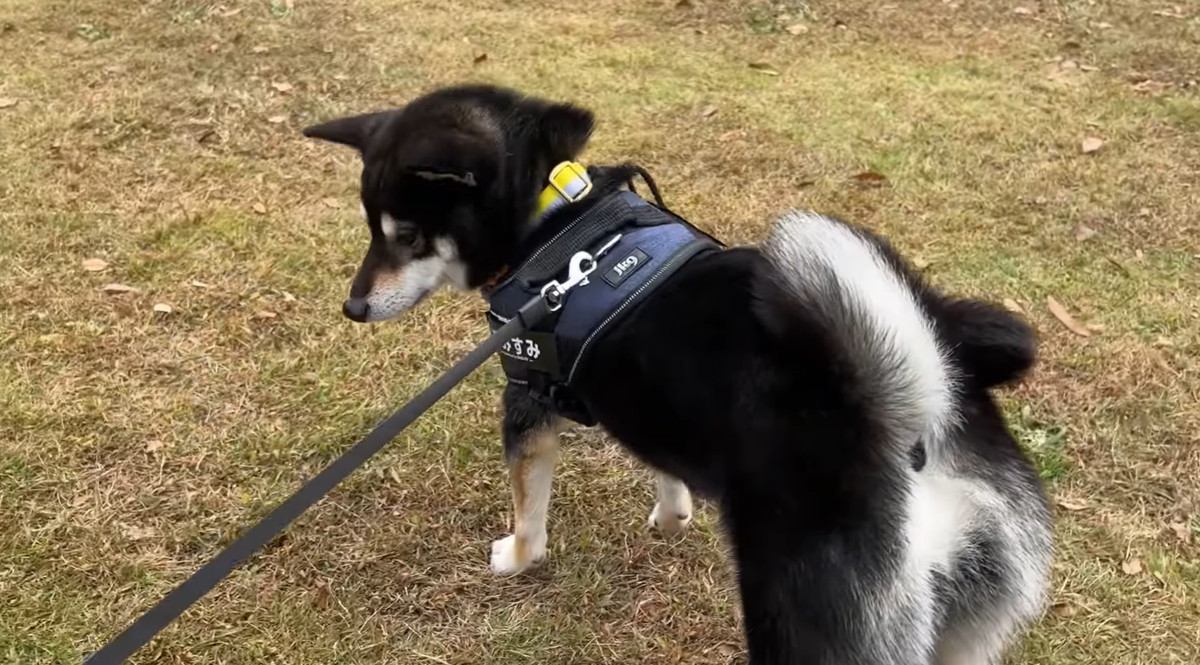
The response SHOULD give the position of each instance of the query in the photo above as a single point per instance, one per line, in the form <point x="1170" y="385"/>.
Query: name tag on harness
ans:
<point x="625" y="266"/>
<point x="532" y="350"/>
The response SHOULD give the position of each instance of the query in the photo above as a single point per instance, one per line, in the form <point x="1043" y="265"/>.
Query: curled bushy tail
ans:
<point x="848" y="285"/>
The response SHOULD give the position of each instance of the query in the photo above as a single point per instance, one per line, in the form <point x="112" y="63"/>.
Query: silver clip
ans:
<point x="581" y="265"/>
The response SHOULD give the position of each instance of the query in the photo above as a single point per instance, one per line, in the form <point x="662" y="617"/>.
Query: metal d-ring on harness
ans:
<point x="210" y="574"/>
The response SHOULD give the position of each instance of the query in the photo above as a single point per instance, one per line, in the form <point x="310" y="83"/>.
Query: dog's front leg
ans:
<point x="531" y="450"/>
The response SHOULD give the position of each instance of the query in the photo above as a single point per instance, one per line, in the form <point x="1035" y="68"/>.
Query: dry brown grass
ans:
<point x="133" y="444"/>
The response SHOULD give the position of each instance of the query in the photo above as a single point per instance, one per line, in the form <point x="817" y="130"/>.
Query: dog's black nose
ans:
<point x="355" y="309"/>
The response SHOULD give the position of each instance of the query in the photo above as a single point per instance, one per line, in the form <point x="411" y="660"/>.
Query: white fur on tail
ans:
<point x="841" y="276"/>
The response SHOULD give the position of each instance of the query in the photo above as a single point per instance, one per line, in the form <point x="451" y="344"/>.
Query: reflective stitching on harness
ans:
<point x="679" y="257"/>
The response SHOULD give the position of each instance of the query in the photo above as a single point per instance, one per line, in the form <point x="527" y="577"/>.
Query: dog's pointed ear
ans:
<point x="565" y="130"/>
<point x="353" y="130"/>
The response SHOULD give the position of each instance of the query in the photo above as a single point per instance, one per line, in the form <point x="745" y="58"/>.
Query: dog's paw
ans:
<point x="510" y="557"/>
<point x="670" y="520"/>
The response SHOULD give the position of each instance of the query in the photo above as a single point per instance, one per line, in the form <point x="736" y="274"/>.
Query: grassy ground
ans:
<point x="162" y="137"/>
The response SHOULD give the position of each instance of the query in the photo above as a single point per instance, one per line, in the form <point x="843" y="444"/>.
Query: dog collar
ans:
<point x="569" y="182"/>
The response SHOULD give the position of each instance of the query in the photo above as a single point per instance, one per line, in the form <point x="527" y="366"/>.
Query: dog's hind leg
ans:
<point x="531" y="450"/>
<point x="673" y="511"/>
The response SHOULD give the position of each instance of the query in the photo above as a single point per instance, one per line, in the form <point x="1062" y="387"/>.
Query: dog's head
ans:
<point x="449" y="186"/>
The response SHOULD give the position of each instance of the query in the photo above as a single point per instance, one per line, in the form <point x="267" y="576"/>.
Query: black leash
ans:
<point x="203" y="580"/>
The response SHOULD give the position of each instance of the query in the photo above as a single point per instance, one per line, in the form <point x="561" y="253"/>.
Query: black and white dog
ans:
<point x="831" y="404"/>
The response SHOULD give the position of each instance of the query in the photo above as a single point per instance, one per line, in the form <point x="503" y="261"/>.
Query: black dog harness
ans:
<point x="617" y="253"/>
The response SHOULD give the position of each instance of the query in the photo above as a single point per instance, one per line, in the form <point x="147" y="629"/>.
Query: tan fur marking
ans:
<point x="518" y="474"/>
<point x="538" y="451"/>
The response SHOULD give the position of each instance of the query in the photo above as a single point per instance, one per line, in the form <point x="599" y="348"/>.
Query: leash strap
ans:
<point x="203" y="580"/>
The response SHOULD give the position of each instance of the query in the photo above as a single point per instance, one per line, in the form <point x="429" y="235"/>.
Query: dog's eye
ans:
<point x="407" y="236"/>
<point x="399" y="232"/>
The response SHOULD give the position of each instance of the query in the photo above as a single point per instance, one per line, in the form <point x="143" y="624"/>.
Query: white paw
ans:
<point x="509" y="559"/>
<point x="670" y="520"/>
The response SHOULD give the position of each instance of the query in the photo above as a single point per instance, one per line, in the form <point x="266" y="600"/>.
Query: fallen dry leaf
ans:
<point x="119" y="288"/>
<point x="1022" y="11"/>
<point x="1013" y="306"/>
<point x="163" y="308"/>
<point x="283" y="87"/>
<point x="260" y="49"/>
<point x="1091" y="144"/>
<point x="1132" y="566"/>
<point x="869" y="178"/>
<point x="1084" y="232"/>
<point x="1070" y="504"/>
<point x="7" y="102"/>
<point x="1182" y="531"/>
<point x="259" y="208"/>
<point x="276" y="119"/>
<point x="94" y="265"/>
<point x="331" y="202"/>
<point x="1064" y="609"/>
<point x="154" y="445"/>
<point x="797" y="29"/>
<point x="764" y="68"/>
<point x="265" y="314"/>
<point x="708" y="111"/>
<point x="1065" y="317"/>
